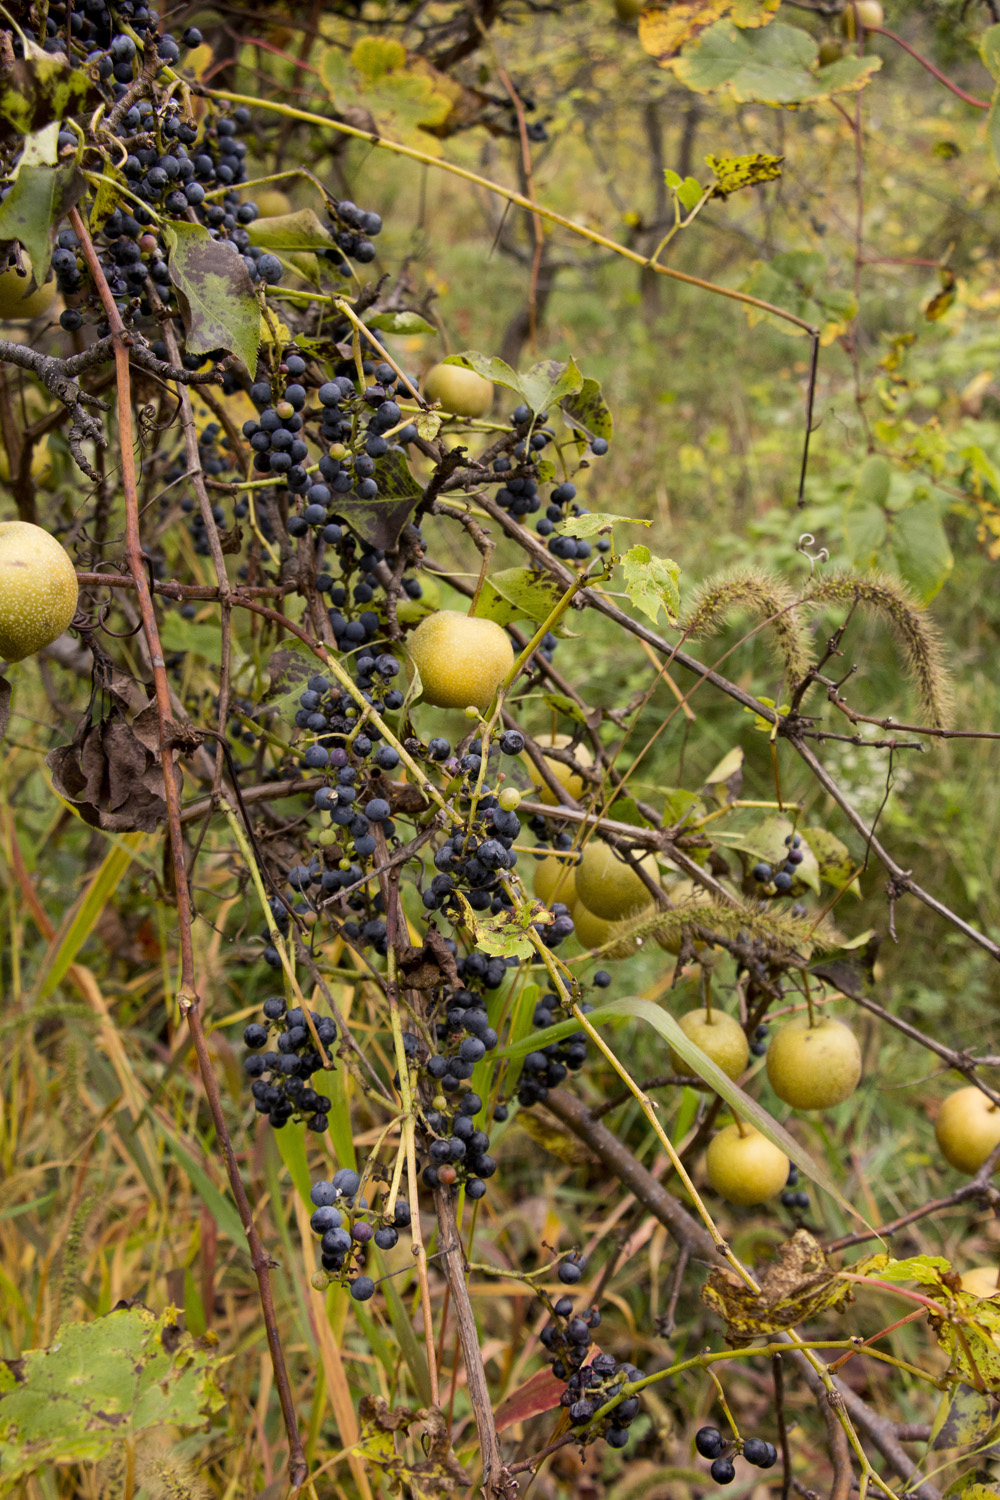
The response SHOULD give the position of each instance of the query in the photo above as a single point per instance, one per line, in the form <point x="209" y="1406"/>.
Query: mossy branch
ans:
<point x="889" y="599"/>
<point x="762" y="594"/>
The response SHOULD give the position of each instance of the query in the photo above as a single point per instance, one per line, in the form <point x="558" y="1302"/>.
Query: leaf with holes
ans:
<point x="651" y="583"/>
<point x="33" y="207"/>
<point x="215" y="293"/>
<point x="796" y="1286"/>
<point x="735" y="172"/>
<point x="102" y="1383"/>
<point x="774" y="66"/>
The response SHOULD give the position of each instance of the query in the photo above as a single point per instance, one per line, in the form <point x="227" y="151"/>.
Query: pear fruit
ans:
<point x="38" y="589"/>
<point x="461" y="659"/>
<point x="719" y="1035"/>
<point x="609" y="887"/>
<point x="814" y="1066"/>
<point x="459" y="390"/>
<point x="566" y="777"/>
<point x="743" y="1167"/>
<point x="967" y="1129"/>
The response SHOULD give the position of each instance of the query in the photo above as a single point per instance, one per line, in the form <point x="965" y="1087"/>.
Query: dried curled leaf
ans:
<point x="795" y="1287"/>
<point x="112" y="772"/>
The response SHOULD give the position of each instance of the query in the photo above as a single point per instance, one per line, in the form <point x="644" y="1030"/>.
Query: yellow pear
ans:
<point x="609" y="887"/>
<point x="38" y="589"/>
<point x="461" y="659"/>
<point x="719" y="1035"/>
<point x="743" y="1167"/>
<point x="967" y="1129"/>
<point x="814" y="1067"/>
<point x="566" y="777"/>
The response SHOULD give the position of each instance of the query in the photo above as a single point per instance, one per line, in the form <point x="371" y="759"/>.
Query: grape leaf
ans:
<point x="399" y="322"/>
<point x="588" y="410"/>
<point x="520" y="594"/>
<point x="651" y="583"/>
<point x="42" y="86"/>
<point x="101" y="1383"/>
<point x="920" y="546"/>
<point x="35" y="204"/>
<point x="217" y="301"/>
<point x="773" y="66"/>
<point x="665" y="33"/>
<point x="403" y="96"/>
<point x="301" y="230"/>
<point x="735" y="172"/>
<point x="594" y="521"/>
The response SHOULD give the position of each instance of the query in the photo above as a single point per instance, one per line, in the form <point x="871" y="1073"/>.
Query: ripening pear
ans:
<point x="461" y="659"/>
<point x="719" y="1035"/>
<point x="967" y="1129"/>
<point x="743" y="1166"/>
<point x="981" y="1281"/>
<point x="608" y="886"/>
<point x="566" y="777"/>
<point x="38" y="589"/>
<point x="814" y="1066"/>
<point x="16" y="301"/>
<point x="459" y="390"/>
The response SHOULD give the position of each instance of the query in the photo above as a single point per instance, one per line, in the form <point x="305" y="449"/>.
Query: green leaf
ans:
<point x="405" y="97"/>
<point x="101" y="1383"/>
<point x="40" y="87"/>
<point x="217" y="301"/>
<point x="689" y="193"/>
<point x="177" y="634"/>
<point x="924" y="1269"/>
<point x="989" y="49"/>
<point x="35" y="204"/>
<point x="488" y="366"/>
<point x="735" y="172"/>
<point x="725" y="781"/>
<point x="864" y="533"/>
<point x="801" y="282"/>
<point x="380" y="521"/>
<point x="520" y="594"/>
<point x="594" y="521"/>
<point x="874" y="481"/>
<point x="399" y="322"/>
<point x="549" y="381"/>
<point x="301" y="230"/>
<point x="920" y="546"/>
<point x="651" y="583"/>
<point x="832" y="857"/>
<point x="771" y="66"/>
<point x="41" y="149"/>
<point x="588" y="410"/>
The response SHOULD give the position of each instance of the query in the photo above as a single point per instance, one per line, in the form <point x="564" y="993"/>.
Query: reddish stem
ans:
<point x="187" y="995"/>
<point x="926" y="63"/>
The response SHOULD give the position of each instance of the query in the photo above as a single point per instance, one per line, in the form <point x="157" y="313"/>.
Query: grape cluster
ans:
<point x="780" y="881"/>
<point x="793" y="1196"/>
<point x="567" y="1338"/>
<point x="711" y="1444"/>
<point x="280" y="1086"/>
<point x="346" y="1226"/>
<point x="473" y="859"/>
<point x="458" y="1151"/>
<point x="550" y="1065"/>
